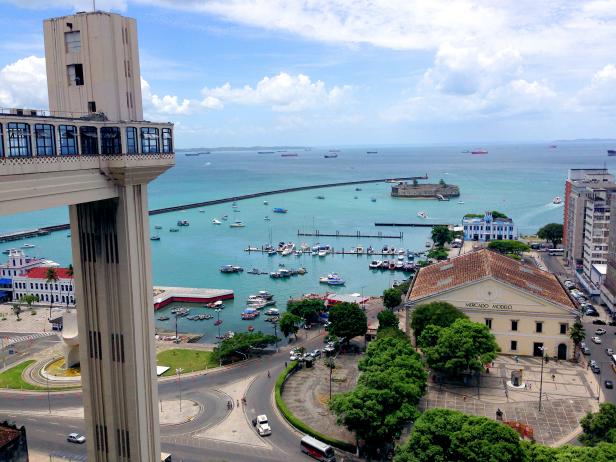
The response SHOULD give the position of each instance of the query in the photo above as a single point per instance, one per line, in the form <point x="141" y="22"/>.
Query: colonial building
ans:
<point x="488" y="228"/>
<point x="527" y="309"/>
<point x="35" y="282"/>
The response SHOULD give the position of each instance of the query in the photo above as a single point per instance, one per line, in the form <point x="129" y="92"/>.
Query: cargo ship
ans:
<point x="479" y="151"/>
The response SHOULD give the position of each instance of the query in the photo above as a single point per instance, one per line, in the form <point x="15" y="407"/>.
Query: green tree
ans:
<point x="348" y="320"/>
<point x="51" y="277"/>
<point x="577" y="333"/>
<point x="603" y="452"/>
<point x="392" y="298"/>
<point x="464" y="346"/>
<point x="438" y="253"/>
<point x="16" y="310"/>
<point x="508" y="246"/>
<point x="442" y="183"/>
<point x="438" y="313"/>
<point x="441" y="235"/>
<point x="308" y="309"/>
<point x="552" y="232"/>
<point x="391" y="332"/>
<point x="387" y="319"/>
<point x="242" y="343"/>
<point x="599" y="426"/>
<point x="289" y="324"/>
<point x="28" y="299"/>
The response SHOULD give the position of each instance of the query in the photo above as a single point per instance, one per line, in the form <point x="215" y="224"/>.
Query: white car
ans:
<point x="262" y="425"/>
<point x="596" y="339"/>
<point x="76" y="438"/>
<point x="600" y="331"/>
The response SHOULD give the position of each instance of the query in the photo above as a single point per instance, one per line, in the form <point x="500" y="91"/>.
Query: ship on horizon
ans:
<point x="479" y="151"/>
<point x="611" y="152"/>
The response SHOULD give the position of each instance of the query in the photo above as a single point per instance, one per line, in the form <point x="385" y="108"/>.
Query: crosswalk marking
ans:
<point x="24" y="338"/>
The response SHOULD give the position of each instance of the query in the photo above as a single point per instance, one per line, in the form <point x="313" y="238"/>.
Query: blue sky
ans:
<point x="340" y="72"/>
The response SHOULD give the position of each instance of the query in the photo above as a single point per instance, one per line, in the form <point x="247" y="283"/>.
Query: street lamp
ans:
<point x="219" y="336"/>
<point x="363" y="305"/>
<point x="542" y="349"/>
<point x="331" y="365"/>
<point x="275" y="323"/>
<point x="176" y="328"/>
<point x="178" y="371"/>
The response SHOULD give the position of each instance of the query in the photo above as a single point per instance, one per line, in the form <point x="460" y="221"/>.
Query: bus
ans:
<point x="316" y="449"/>
<point x="558" y="252"/>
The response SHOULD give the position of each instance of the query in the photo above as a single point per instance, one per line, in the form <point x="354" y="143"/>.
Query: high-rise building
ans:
<point x="96" y="154"/>
<point x="608" y="289"/>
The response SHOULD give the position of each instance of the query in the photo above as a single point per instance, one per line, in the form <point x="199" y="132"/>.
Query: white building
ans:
<point x="488" y="228"/>
<point x="19" y="263"/>
<point x="34" y="282"/>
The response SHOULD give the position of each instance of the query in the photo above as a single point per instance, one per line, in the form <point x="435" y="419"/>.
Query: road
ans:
<point x="24" y="348"/>
<point x="608" y="340"/>
<point x="47" y="433"/>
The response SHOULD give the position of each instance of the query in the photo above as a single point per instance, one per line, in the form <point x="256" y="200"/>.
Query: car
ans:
<point x="599" y="322"/>
<point x="586" y="351"/>
<point x="600" y="331"/>
<point x="609" y="384"/>
<point x="76" y="438"/>
<point x="596" y="340"/>
<point x="262" y="425"/>
<point x="293" y="357"/>
<point x="596" y="369"/>
<point x="316" y="353"/>
<point x="611" y="323"/>
<point x="609" y="351"/>
<point x="592" y="313"/>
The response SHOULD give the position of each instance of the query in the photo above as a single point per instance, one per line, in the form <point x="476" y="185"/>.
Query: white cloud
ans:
<point x="282" y="92"/>
<point x="600" y="93"/>
<point x="76" y="5"/>
<point x="166" y="104"/>
<point x="24" y="84"/>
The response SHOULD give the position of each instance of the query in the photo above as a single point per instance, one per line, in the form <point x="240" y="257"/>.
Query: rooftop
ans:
<point x="41" y="273"/>
<point x="485" y="264"/>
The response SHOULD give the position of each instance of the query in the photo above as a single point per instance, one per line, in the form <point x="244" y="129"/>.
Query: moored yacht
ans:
<point x="557" y="200"/>
<point x="216" y="222"/>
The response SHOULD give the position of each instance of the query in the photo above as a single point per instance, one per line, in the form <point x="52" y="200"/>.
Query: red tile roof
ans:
<point x="41" y="273"/>
<point x="483" y="264"/>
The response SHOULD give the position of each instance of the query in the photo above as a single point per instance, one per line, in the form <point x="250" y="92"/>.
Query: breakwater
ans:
<point x="194" y="205"/>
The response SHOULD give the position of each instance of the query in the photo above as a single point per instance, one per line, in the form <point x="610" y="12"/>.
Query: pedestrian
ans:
<point x="525" y="386"/>
<point x="285" y="364"/>
<point x="238" y="403"/>
<point x="530" y="386"/>
<point x="553" y="377"/>
<point x="268" y="374"/>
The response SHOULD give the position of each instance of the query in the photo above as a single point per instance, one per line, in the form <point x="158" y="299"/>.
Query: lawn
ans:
<point x="11" y="378"/>
<point x="188" y="360"/>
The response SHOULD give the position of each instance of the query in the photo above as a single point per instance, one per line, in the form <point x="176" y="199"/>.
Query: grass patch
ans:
<point x="301" y="426"/>
<point x="189" y="360"/>
<point x="11" y="378"/>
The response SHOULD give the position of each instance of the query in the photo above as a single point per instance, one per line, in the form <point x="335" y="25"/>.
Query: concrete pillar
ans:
<point x="111" y="254"/>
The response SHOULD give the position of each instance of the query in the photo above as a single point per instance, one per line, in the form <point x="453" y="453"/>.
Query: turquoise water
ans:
<point x="520" y="180"/>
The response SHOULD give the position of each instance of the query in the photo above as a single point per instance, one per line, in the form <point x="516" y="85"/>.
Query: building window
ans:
<point x="110" y="140"/>
<point x="72" y="41"/>
<point x="514" y="324"/>
<point x="538" y="327"/>
<point x="131" y="140"/>
<point x="91" y="106"/>
<point x="564" y="328"/>
<point x="1" y="142"/>
<point x="19" y="140"/>
<point x="489" y="323"/>
<point x="68" y="140"/>
<point x="149" y="140"/>
<point x="167" y="140"/>
<point x="75" y="74"/>
<point x="45" y="136"/>
<point x="514" y="345"/>
<point x="89" y="140"/>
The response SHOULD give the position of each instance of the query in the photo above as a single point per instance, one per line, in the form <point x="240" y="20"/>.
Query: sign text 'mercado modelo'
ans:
<point x="494" y="306"/>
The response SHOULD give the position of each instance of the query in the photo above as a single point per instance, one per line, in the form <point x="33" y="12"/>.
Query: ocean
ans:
<point x="518" y="179"/>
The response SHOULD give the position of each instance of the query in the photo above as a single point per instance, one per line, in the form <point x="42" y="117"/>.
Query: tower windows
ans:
<point x="19" y="140"/>
<point x="149" y="140"/>
<point x="68" y="140"/>
<point x="75" y="74"/>
<point x="131" y="140"/>
<point x="167" y="140"/>
<point x="45" y="136"/>
<point x="72" y="41"/>
<point x="110" y="140"/>
<point x="89" y="140"/>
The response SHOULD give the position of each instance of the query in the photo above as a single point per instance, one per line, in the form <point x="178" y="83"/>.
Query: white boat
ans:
<point x="28" y="246"/>
<point x="460" y="202"/>
<point x="201" y="211"/>
<point x="267" y="218"/>
<point x="374" y="264"/>
<point x="322" y="253"/>
<point x="216" y="222"/>
<point x="265" y="202"/>
<point x="401" y="251"/>
<point x="158" y="227"/>
<point x="557" y="200"/>
<point x="422" y="214"/>
<point x="237" y="224"/>
<point x="358" y="249"/>
<point x="288" y="249"/>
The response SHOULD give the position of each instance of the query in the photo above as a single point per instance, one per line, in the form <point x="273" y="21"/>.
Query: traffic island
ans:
<point x="177" y="412"/>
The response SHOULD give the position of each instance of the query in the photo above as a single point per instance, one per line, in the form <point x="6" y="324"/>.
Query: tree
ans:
<point x="442" y="183"/>
<point x="387" y="319"/>
<point x="16" y="310"/>
<point x="51" y="277"/>
<point x="603" y="452"/>
<point x="348" y="320"/>
<point x="289" y="324"/>
<point x="441" y="235"/>
<point x="577" y="333"/>
<point x="599" y="426"/>
<point x="28" y="299"/>
<point x="442" y="435"/>
<point x="508" y="246"/>
<point x="438" y="313"/>
<point x="463" y="347"/>
<point x="308" y="309"/>
<point x="438" y="253"/>
<point x="242" y="344"/>
<point x="552" y="232"/>
<point x="392" y="298"/>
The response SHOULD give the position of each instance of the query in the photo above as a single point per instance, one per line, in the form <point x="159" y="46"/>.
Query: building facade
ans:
<point x="13" y="443"/>
<point x="526" y="309"/>
<point x="488" y="228"/>
<point x="608" y="288"/>
<point x="34" y="282"/>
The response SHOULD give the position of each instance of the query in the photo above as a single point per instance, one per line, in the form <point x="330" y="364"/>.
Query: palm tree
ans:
<point x="51" y="277"/>
<point x="577" y="334"/>
<point x="69" y="272"/>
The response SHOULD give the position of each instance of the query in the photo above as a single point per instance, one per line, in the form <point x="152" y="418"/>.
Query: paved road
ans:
<point x="26" y="347"/>
<point x="608" y="340"/>
<point x="47" y="434"/>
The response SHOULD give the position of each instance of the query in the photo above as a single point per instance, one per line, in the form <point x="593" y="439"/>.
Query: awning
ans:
<point x="4" y="293"/>
<point x="6" y="281"/>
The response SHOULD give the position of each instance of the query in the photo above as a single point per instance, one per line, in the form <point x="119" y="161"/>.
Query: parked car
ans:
<point x="316" y="353"/>
<point x="262" y="425"/>
<point x="599" y="322"/>
<point x="596" y="369"/>
<point x="609" y="384"/>
<point x="592" y="313"/>
<point x="611" y="323"/>
<point x="596" y="340"/>
<point x="586" y="351"/>
<point x="600" y="331"/>
<point x="609" y="351"/>
<point x="76" y="438"/>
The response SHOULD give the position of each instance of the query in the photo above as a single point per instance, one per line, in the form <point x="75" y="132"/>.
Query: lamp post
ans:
<point x="363" y="305"/>
<point x="541" y="379"/>
<point x="178" y="371"/>
<point x="331" y="365"/>
<point x="48" y="397"/>
<point x="176" y="328"/>
<point x="276" y="334"/>
<point x="219" y="339"/>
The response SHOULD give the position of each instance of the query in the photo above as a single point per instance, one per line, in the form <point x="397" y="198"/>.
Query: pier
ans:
<point x="413" y="225"/>
<point x="357" y="234"/>
<point x="333" y="251"/>
<point x="165" y="295"/>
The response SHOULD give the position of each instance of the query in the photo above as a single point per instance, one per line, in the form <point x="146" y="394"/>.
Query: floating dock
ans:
<point x="165" y="295"/>
<point x="413" y="225"/>
<point x="357" y="234"/>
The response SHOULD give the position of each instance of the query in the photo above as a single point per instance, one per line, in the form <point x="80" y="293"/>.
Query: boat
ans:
<point x="192" y="154"/>
<point x="553" y="146"/>
<point x="250" y="328"/>
<point x="279" y="210"/>
<point x="68" y="235"/>
<point x="288" y="249"/>
<point x="224" y="217"/>
<point x="372" y="152"/>
<point x="231" y="269"/>
<point x="370" y="250"/>
<point x="28" y="246"/>
<point x="234" y="203"/>
<point x="399" y="265"/>
<point x="183" y="223"/>
<point x="322" y="253"/>
<point x="267" y="218"/>
<point x="557" y="200"/>
<point x="6" y="251"/>
<point x="201" y="211"/>
<point x="392" y="265"/>
<point x="216" y="304"/>
<point x="334" y="280"/>
<point x="422" y="214"/>
<point x="357" y="189"/>
<point x="216" y="222"/>
<point x="611" y="152"/>
<point x="265" y="202"/>
<point x="264" y="294"/>
<point x="428" y="244"/>
<point x="163" y="318"/>
<point x="271" y="252"/>
<point x="265" y="152"/>
<point x="460" y="202"/>
<point x="374" y="264"/>
<point x="218" y="322"/>
<point x="158" y="227"/>
<point x="373" y="199"/>
<point x="289" y="154"/>
<point x="479" y="151"/>
<point x="302" y="270"/>
<point x="173" y="230"/>
<point x="272" y="312"/>
<point x="237" y="224"/>
<point x="359" y="250"/>
<point x="440" y="197"/>
<point x="155" y="238"/>
<point x="384" y="264"/>
<point x="234" y="206"/>
<point x="320" y="197"/>
<point x="254" y="271"/>
<point x="330" y="156"/>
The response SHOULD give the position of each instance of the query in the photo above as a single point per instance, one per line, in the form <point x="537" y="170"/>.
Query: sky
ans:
<point x="350" y="72"/>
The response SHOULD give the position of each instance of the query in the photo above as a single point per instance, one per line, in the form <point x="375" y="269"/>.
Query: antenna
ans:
<point x="94" y="5"/>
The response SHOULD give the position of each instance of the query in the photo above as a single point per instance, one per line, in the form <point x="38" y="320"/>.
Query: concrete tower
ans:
<point x="99" y="167"/>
